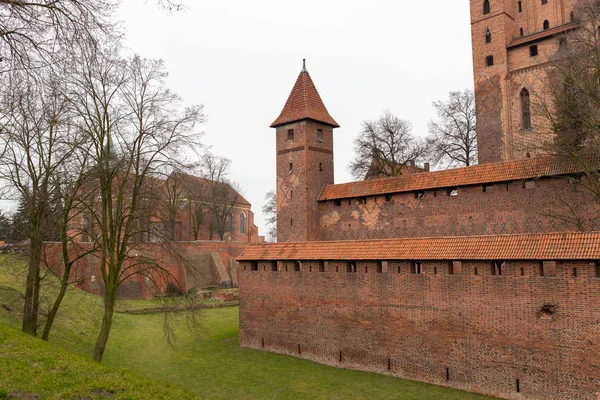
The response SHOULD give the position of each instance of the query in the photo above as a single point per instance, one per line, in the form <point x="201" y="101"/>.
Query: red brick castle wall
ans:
<point x="515" y="335"/>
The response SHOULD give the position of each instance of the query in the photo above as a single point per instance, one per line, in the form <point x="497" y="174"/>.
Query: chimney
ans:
<point x="426" y="167"/>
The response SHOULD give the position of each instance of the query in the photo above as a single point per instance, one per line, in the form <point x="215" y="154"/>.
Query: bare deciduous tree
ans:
<point x="138" y="129"/>
<point x="220" y="194"/>
<point x="33" y="32"/>
<point x="385" y="147"/>
<point x="452" y="138"/>
<point x="36" y="140"/>
<point x="571" y="105"/>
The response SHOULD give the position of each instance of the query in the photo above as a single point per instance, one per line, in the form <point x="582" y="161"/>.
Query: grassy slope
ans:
<point x="211" y="364"/>
<point x="30" y="365"/>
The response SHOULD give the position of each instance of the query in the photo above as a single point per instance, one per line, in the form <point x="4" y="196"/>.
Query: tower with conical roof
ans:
<point x="304" y="135"/>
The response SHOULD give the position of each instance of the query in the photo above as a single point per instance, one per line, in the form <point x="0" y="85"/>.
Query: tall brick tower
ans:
<point x="512" y="44"/>
<point x="304" y="135"/>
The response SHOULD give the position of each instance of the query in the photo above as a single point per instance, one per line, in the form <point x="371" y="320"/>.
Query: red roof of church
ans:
<point x="304" y="102"/>
<point x="554" y="246"/>
<point x="530" y="168"/>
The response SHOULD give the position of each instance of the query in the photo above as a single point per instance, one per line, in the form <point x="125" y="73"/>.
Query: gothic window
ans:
<point x="242" y="223"/>
<point x="525" y="109"/>
<point x="546" y="25"/>
<point x="488" y="36"/>
<point x="486" y="7"/>
<point x="521" y="31"/>
<point x="572" y="15"/>
<point x="230" y="222"/>
<point x="520" y="4"/>
<point x="489" y="61"/>
<point x="544" y="2"/>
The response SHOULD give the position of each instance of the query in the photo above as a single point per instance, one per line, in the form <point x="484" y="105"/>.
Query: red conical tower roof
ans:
<point x="304" y="103"/>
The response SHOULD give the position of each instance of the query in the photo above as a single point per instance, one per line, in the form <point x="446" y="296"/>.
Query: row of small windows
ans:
<point x="290" y="135"/>
<point x="533" y="51"/>
<point x="495" y="268"/>
<point x="488" y="33"/>
<point x="453" y="191"/>
<point x="487" y="8"/>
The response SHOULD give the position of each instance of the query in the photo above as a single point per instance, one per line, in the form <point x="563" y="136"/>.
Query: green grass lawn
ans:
<point x="210" y="362"/>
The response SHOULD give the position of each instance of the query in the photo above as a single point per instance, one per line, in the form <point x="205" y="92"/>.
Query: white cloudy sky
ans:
<point x="240" y="59"/>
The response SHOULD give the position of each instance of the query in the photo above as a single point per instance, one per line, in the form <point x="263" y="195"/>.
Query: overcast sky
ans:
<point x="241" y="58"/>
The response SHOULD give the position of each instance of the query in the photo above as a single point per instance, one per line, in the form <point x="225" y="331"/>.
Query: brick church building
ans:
<point x="476" y="278"/>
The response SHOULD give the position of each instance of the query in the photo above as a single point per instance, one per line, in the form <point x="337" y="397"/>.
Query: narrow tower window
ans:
<point x="319" y="135"/>
<point x="489" y="61"/>
<point x="521" y="31"/>
<point x="291" y="167"/>
<point x="520" y="4"/>
<point x="488" y="36"/>
<point x="546" y="25"/>
<point x="486" y="7"/>
<point x="525" y="109"/>
<point x="290" y="135"/>
<point x="544" y="2"/>
<point x="572" y="16"/>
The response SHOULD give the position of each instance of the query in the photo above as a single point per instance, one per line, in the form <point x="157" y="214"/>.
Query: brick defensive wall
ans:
<point x="514" y="316"/>
<point x="536" y="195"/>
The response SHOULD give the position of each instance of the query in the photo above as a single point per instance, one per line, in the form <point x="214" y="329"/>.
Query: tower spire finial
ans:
<point x="304" y="65"/>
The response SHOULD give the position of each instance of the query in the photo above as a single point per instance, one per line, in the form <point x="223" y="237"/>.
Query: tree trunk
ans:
<point x="32" y="288"/>
<point x="52" y="315"/>
<point x="109" y="307"/>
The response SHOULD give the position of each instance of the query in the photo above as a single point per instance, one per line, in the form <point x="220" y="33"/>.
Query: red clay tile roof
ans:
<point x="190" y="180"/>
<point x="531" y="168"/>
<point x="559" y="246"/>
<point x="304" y="102"/>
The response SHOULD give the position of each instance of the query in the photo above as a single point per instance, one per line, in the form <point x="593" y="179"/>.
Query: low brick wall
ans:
<point x="172" y="259"/>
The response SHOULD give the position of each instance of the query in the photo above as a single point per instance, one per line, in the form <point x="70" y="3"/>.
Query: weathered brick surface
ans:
<point x="500" y="133"/>
<point x="539" y="206"/>
<point x="304" y="166"/>
<point x="486" y="332"/>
